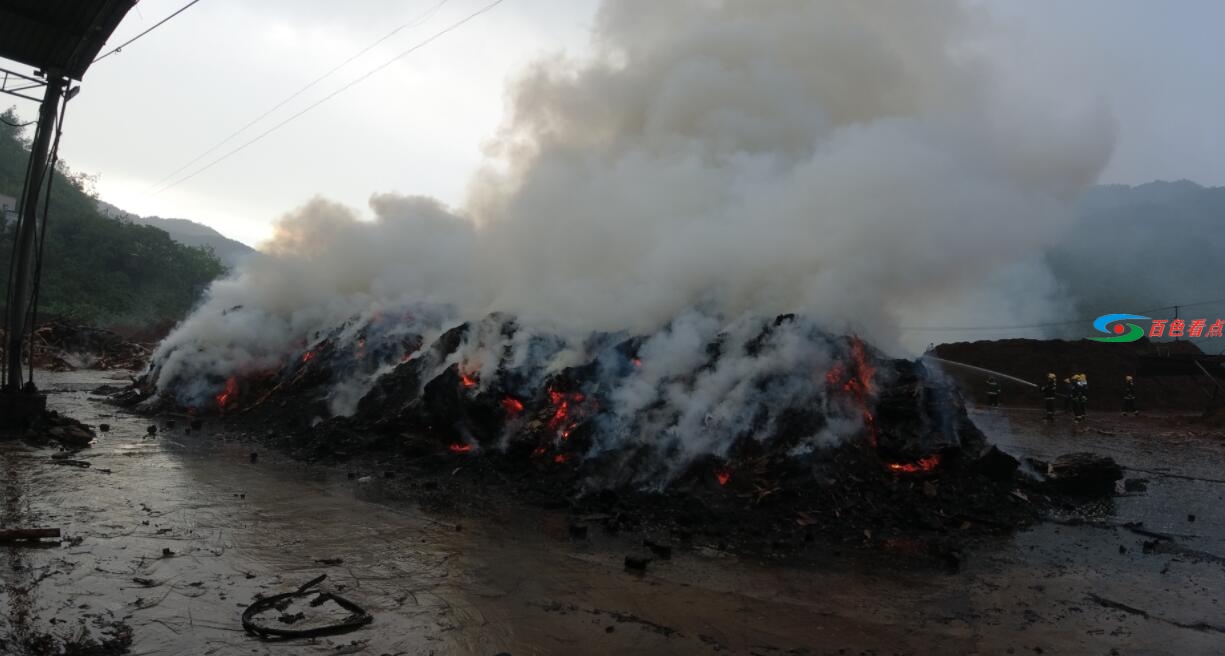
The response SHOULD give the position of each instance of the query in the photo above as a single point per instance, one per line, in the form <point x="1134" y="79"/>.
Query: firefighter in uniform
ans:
<point x="1129" y="396"/>
<point x="1049" y="391"/>
<point x="993" y="392"/>
<point x="1080" y="396"/>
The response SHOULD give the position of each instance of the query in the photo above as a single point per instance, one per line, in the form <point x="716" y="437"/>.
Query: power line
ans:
<point x="421" y="18"/>
<point x="335" y="93"/>
<point x="16" y="125"/>
<point x="155" y="26"/>
<point x="1051" y="323"/>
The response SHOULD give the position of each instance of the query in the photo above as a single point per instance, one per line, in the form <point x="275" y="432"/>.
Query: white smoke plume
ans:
<point x="681" y="407"/>
<point x="857" y="162"/>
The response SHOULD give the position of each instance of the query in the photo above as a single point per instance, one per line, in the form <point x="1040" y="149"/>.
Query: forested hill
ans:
<point x="99" y="270"/>
<point x="230" y="252"/>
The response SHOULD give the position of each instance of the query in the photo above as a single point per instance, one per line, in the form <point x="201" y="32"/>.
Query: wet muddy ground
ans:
<point x="174" y="536"/>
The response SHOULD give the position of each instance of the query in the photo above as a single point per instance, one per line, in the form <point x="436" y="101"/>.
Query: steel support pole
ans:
<point x="27" y="227"/>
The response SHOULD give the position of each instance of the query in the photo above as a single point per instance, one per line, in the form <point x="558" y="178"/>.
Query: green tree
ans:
<point x="99" y="269"/>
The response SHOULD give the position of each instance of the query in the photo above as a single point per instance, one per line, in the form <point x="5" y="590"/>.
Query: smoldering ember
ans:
<point x="705" y="326"/>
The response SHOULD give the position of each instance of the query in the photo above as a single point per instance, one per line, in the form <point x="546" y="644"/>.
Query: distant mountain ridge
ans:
<point x="189" y="233"/>
<point x="1159" y="193"/>
<point x="1133" y="248"/>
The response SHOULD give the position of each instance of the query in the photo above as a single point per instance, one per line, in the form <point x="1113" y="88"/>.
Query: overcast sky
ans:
<point x="418" y="125"/>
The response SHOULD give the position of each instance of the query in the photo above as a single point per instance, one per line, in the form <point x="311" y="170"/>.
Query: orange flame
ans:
<point x="457" y="447"/>
<point x="308" y="356"/>
<point x="859" y="384"/>
<point x="561" y="421"/>
<point x="925" y="464"/>
<point x="865" y="372"/>
<point x="467" y="381"/>
<point x="231" y="392"/>
<point x="512" y="406"/>
<point x="834" y="376"/>
<point x="637" y="362"/>
<point x="723" y="476"/>
<point x="560" y="458"/>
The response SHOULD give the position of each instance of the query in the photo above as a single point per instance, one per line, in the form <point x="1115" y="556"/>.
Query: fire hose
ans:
<point x="991" y="371"/>
<point x="981" y="369"/>
<point x="358" y="617"/>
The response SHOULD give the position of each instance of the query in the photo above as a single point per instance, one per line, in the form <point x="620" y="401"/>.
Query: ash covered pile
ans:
<point x="703" y="426"/>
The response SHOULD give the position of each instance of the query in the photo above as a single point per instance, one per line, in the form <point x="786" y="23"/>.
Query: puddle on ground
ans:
<point x="175" y="535"/>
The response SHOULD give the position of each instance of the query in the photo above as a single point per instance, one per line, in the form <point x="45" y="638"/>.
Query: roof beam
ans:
<point x="61" y="37"/>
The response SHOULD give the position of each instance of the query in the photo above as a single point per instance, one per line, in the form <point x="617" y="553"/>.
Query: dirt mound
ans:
<point x="1105" y="365"/>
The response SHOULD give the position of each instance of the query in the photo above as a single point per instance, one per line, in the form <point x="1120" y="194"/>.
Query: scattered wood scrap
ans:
<point x="63" y="346"/>
<point x="357" y="617"/>
<point x="28" y="534"/>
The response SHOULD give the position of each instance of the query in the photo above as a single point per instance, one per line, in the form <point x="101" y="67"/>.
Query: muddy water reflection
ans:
<point x="185" y="530"/>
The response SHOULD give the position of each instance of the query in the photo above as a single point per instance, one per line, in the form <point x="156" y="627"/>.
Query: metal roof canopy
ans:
<point x="58" y="37"/>
<point x="61" y="39"/>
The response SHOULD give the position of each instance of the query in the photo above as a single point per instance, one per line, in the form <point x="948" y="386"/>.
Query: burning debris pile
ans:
<point x="766" y="420"/>
<point x="64" y="346"/>
<point x="642" y="208"/>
